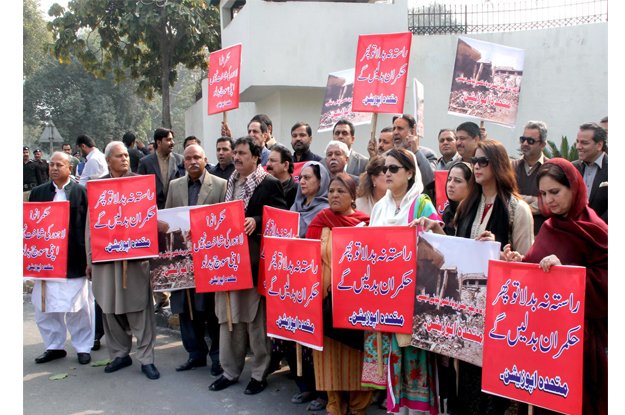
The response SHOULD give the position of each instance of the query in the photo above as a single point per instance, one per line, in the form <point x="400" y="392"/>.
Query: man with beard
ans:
<point x="301" y="137"/>
<point x="532" y="142"/>
<point x="95" y="165"/>
<point x="280" y="166"/>
<point x="404" y="136"/>
<point x="224" y="166"/>
<point x="67" y="303"/>
<point x="127" y="310"/>
<point x="252" y="184"/>
<point x="196" y="311"/>
<point x="336" y="158"/>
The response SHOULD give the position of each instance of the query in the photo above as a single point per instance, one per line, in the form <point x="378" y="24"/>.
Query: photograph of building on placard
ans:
<point x="451" y="295"/>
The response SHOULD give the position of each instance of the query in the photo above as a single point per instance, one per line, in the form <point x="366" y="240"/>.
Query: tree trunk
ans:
<point x="165" y="69"/>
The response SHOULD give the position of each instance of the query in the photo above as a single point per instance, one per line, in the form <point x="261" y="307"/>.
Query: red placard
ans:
<point x="294" y="291"/>
<point x="46" y="230"/>
<point x="221" y="257"/>
<point x="381" y="72"/>
<point x="440" y="183"/>
<point x="122" y="218"/>
<point x="534" y="335"/>
<point x="373" y="278"/>
<point x="223" y="79"/>
<point x="276" y="222"/>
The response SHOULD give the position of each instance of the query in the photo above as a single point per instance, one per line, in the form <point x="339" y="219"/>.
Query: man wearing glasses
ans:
<point x="532" y="143"/>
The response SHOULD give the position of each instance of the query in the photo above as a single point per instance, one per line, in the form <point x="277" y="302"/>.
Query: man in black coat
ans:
<point x="256" y="188"/>
<point x="62" y="298"/>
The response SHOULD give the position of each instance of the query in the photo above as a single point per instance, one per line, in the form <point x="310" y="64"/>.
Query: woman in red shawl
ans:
<point x="338" y="368"/>
<point x="575" y="235"/>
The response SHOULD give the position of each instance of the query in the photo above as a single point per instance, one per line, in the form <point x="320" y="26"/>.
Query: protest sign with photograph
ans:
<point x="280" y="223"/>
<point x="45" y="243"/>
<point x="221" y="257"/>
<point x="381" y="72"/>
<point x="486" y="81"/>
<point x="534" y="335"/>
<point x="294" y="290"/>
<point x="337" y="102"/>
<point x="373" y="278"/>
<point x="173" y="269"/>
<point x="122" y="218"/>
<point x="451" y="295"/>
<point x="224" y="73"/>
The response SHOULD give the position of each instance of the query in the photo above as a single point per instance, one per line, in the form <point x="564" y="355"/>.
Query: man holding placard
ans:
<point x="252" y="184"/>
<point x="67" y="303"/>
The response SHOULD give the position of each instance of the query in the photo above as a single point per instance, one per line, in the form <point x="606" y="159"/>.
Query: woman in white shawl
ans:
<point x="410" y="377"/>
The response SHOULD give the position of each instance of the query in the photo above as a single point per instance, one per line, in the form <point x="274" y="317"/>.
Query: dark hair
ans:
<point x="599" y="134"/>
<point x="540" y="126"/>
<point x="411" y="121"/>
<point x="316" y="171"/>
<point x="604" y="119"/>
<point x="444" y="130"/>
<point x="386" y="130"/>
<point x="343" y="121"/>
<point x="285" y="155"/>
<point x="86" y="140"/>
<point x="189" y="138"/>
<point x="470" y="128"/>
<point x="503" y="173"/>
<point x="467" y="173"/>
<point x="224" y="138"/>
<point x="406" y="159"/>
<point x="263" y="126"/>
<point x="262" y="118"/>
<point x="129" y="138"/>
<point x="349" y="183"/>
<point x="161" y="133"/>
<point x="553" y="171"/>
<point x="254" y="149"/>
<point x="64" y="144"/>
<point x="374" y="167"/>
<point x="302" y="124"/>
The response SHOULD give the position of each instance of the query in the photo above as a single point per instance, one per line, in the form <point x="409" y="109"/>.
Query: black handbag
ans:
<point x="352" y="338"/>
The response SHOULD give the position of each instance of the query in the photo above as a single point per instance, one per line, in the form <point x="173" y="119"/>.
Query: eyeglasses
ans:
<point x="392" y="168"/>
<point x="481" y="161"/>
<point x="531" y="141"/>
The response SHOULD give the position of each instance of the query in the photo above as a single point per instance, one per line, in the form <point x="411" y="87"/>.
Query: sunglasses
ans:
<point x="392" y="168"/>
<point x="529" y="140"/>
<point x="481" y="161"/>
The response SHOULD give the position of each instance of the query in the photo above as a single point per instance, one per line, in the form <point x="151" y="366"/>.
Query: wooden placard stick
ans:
<point x="530" y="409"/>
<point x="457" y="369"/>
<point x="298" y="355"/>
<point x="228" y="311"/>
<point x="374" y="126"/>
<point x="379" y="350"/>
<point x="124" y="274"/>
<point x="43" y="296"/>
<point x="189" y="301"/>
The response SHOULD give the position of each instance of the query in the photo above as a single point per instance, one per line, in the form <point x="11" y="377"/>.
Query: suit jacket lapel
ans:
<point x="172" y="166"/>
<point x="601" y="176"/>
<point x="157" y="168"/>
<point x="205" y="190"/>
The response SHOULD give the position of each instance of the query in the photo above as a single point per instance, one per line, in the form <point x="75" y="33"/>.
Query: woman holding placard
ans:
<point x="410" y="373"/>
<point x="338" y="367"/>
<point x="574" y="235"/>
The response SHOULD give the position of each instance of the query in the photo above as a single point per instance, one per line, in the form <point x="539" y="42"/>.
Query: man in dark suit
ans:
<point x="252" y="184"/>
<point x="592" y="149"/>
<point x="166" y="165"/>
<point x="67" y="303"/>
<point x="129" y="139"/>
<point x="198" y="187"/>
<point x="344" y="131"/>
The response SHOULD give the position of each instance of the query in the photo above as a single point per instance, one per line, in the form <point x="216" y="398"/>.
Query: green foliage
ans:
<point x="35" y="37"/>
<point x="145" y="40"/>
<point x="565" y="151"/>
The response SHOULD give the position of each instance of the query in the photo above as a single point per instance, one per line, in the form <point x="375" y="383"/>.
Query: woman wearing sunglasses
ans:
<point x="412" y="384"/>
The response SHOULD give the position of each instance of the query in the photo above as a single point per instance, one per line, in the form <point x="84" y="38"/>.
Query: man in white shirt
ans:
<point x="96" y="163"/>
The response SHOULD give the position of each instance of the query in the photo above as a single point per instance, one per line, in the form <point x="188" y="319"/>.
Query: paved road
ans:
<point x="88" y="390"/>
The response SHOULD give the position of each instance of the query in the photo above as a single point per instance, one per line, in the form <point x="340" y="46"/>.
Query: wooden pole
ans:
<point x="189" y="301"/>
<point x="298" y="355"/>
<point x="530" y="409"/>
<point x="380" y="357"/>
<point x="43" y="296"/>
<point x="374" y="126"/>
<point x="457" y="367"/>
<point x="225" y="117"/>
<point x="124" y="274"/>
<point x="228" y="311"/>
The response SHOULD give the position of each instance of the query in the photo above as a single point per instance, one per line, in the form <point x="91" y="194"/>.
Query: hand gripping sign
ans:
<point x="122" y="218"/>
<point x="534" y="335"/>
<point x="45" y="232"/>
<point x="373" y="278"/>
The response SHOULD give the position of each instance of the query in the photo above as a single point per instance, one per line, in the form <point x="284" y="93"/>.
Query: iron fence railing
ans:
<point x="436" y="19"/>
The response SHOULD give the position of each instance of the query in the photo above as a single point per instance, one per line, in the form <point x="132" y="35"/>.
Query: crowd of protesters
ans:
<point x="550" y="212"/>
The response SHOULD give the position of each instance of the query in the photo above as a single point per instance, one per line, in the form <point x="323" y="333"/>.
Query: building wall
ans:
<point x="286" y="61"/>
